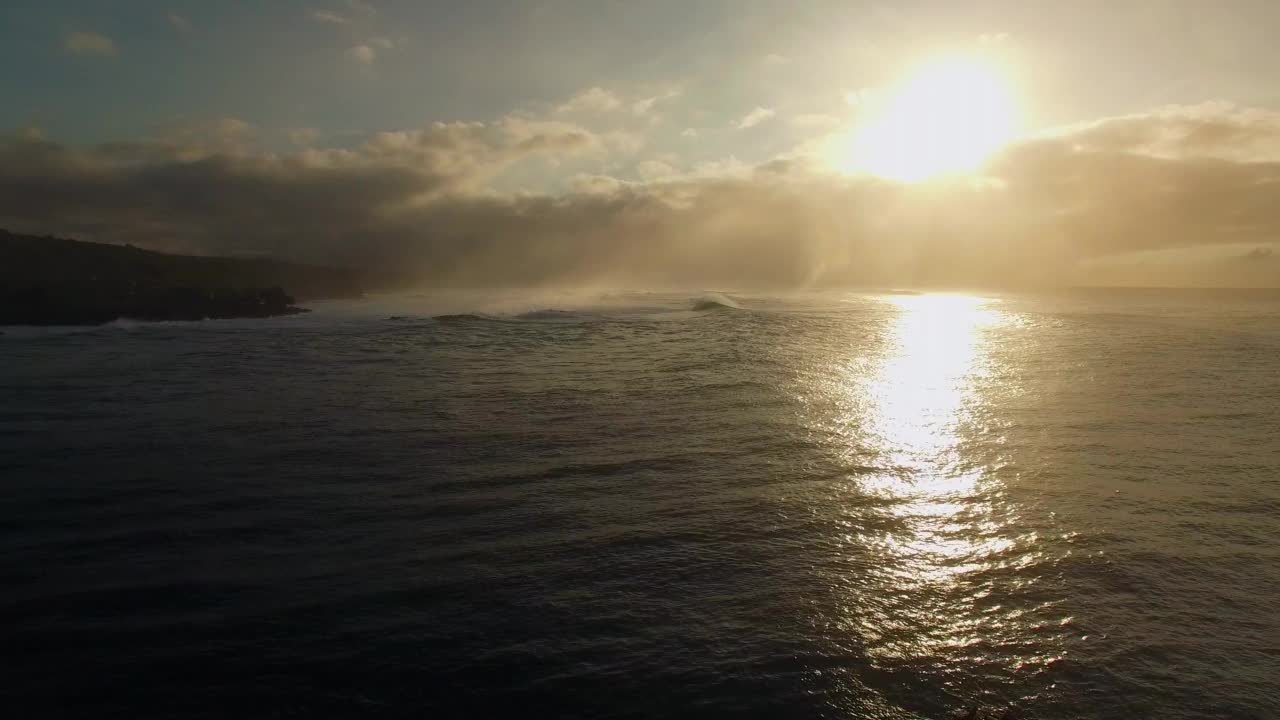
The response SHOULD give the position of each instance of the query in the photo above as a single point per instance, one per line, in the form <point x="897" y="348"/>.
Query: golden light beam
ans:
<point x="945" y="119"/>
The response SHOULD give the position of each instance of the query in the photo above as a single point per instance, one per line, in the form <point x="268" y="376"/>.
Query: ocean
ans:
<point x="642" y="505"/>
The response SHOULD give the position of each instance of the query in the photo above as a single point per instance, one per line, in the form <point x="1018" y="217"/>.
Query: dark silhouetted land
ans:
<point x="55" y="281"/>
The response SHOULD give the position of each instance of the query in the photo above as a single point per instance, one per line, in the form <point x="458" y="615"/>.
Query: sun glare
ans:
<point x="944" y="119"/>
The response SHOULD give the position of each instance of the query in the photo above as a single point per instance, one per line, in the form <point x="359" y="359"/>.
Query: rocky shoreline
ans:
<point x="56" y="281"/>
<point x="36" y="306"/>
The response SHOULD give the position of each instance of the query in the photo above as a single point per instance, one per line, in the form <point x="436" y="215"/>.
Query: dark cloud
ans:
<point x="1112" y="203"/>
<point x="1054" y="209"/>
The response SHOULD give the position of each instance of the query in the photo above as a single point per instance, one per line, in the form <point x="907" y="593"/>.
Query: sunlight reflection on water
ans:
<point x="918" y="404"/>
<point x="920" y="397"/>
<point x="921" y="388"/>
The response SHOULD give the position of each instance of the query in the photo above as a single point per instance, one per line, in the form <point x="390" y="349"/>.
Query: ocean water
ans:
<point x="835" y="505"/>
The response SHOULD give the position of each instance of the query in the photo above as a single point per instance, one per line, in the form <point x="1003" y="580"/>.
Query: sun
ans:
<point x="944" y="119"/>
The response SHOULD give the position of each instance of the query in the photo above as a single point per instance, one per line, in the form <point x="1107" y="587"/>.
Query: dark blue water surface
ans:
<point x="649" y="505"/>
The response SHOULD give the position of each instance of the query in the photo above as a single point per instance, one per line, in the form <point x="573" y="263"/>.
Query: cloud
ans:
<point x="180" y="140"/>
<point x="197" y="198"/>
<point x="464" y="154"/>
<point x="1176" y="177"/>
<point x="755" y="117"/>
<point x="641" y="107"/>
<point x="646" y="105"/>
<point x="197" y="138"/>
<point x="595" y="99"/>
<point x="585" y="184"/>
<point x="654" y="170"/>
<point x="599" y="100"/>
<point x="303" y="136"/>
<point x="1209" y="130"/>
<point x="358" y="14"/>
<point x="362" y="54"/>
<point x="996" y="38"/>
<point x="816" y="121"/>
<point x="776" y="59"/>
<point x="1096" y="203"/>
<point x="179" y="23"/>
<point x="328" y="16"/>
<point x="730" y="167"/>
<point x="88" y="43"/>
<point x="689" y="133"/>
<point x="623" y="142"/>
<point x="367" y="53"/>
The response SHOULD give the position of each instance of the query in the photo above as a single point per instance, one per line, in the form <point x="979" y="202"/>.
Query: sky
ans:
<point x="738" y="142"/>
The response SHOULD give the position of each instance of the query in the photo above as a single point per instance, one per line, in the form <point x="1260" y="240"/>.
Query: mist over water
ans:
<point x="594" y="504"/>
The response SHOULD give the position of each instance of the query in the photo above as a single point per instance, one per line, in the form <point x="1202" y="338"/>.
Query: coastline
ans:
<point x="49" y="281"/>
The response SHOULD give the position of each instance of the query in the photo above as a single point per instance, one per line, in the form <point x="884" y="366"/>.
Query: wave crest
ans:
<point x="549" y="314"/>
<point x="460" y="318"/>
<point x="716" y="301"/>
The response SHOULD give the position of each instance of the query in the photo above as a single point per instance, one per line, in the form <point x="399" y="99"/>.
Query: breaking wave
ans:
<point x="716" y="301"/>
<point x="462" y="318"/>
<point x="550" y="314"/>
